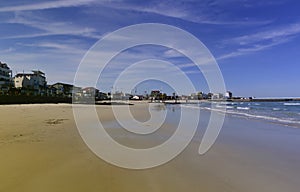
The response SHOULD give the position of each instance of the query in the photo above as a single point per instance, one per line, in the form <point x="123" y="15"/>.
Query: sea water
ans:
<point x="286" y="113"/>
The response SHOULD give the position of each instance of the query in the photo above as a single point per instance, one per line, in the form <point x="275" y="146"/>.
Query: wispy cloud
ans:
<point x="202" y="16"/>
<point x="262" y="40"/>
<point x="8" y="50"/>
<point x="47" y="5"/>
<point x="274" y="34"/>
<point x="252" y="49"/>
<point x="182" y="10"/>
<point x="186" y="65"/>
<point x="48" y="27"/>
<point x="62" y="48"/>
<point x="172" y="54"/>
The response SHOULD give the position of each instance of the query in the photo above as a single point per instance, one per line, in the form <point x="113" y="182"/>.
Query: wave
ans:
<point x="276" y="119"/>
<point x="227" y="107"/>
<point x="243" y="108"/>
<point x="254" y="116"/>
<point x="292" y="104"/>
<point x="276" y="109"/>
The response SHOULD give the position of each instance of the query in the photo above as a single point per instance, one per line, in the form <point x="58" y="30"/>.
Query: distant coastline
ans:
<point x="22" y="99"/>
<point x="233" y="100"/>
<point x="264" y="100"/>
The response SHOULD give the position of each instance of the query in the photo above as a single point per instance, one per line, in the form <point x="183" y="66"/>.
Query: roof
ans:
<point x="38" y="72"/>
<point x="23" y="74"/>
<point x="90" y="88"/>
<point x="63" y="84"/>
<point x="3" y="65"/>
<point x="27" y="74"/>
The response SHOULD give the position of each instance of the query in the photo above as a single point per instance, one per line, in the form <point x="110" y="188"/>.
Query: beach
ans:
<point x="41" y="150"/>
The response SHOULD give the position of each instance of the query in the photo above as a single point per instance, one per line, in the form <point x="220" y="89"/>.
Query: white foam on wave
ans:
<point x="227" y="107"/>
<point x="243" y="108"/>
<point x="269" y="118"/>
<point x="274" y="119"/>
<point x="276" y="109"/>
<point x="292" y="104"/>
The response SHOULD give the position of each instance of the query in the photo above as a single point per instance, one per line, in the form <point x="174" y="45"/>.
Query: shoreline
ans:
<point x="22" y="99"/>
<point x="231" y="100"/>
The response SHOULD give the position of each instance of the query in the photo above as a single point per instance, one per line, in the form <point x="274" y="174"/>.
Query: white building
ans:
<point x="5" y="76"/>
<point x="217" y="96"/>
<point x="117" y="95"/>
<point x="35" y="81"/>
<point x="228" y="95"/>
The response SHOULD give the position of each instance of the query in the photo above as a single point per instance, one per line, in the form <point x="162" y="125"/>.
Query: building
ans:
<point x="51" y="91"/>
<point x="217" y="96"/>
<point x="228" y="95"/>
<point x="90" y="92"/>
<point x="62" y="89"/>
<point x="103" y="96"/>
<point x="31" y="83"/>
<point x="193" y="96"/>
<point x="5" y="77"/>
<point x="117" y="95"/>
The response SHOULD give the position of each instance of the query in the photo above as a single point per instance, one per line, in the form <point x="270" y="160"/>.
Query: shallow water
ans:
<point x="285" y="113"/>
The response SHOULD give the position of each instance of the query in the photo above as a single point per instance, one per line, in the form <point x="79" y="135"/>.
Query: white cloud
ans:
<point x="184" y="11"/>
<point x="48" y="27"/>
<point x="57" y="48"/>
<point x="172" y="53"/>
<point x="47" y="5"/>
<point x="274" y="34"/>
<point x="252" y="49"/>
<point x="184" y="65"/>
<point x="8" y="50"/>
<point x="262" y="40"/>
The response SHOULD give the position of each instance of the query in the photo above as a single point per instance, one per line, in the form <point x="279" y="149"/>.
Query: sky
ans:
<point x="256" y="43"/>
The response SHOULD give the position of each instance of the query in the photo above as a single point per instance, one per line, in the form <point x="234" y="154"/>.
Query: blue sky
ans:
<point x="256" y="43"/>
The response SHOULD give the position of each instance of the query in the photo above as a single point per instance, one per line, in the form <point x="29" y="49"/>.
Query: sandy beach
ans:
<point x="41" y="150"/>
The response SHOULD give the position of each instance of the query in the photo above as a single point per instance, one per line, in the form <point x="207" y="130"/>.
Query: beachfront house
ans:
<point x="5" y="78"/>
<point x="118" y="95"/>
<point x="228" y="95"/>
<point x="193" y="96"/>
<point x="31" y="83"/>
<point x="217" y="96"/>
<point x="64" y="89"/>
<point x="90" y="92"/>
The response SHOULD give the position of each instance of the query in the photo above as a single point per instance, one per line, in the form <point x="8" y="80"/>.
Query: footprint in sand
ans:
<point x="55" y="121"/>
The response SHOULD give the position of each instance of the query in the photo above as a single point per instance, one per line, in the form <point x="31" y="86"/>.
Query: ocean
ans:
<point x="285" y="113"/>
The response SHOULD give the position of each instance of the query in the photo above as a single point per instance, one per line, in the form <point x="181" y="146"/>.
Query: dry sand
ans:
<point x="41" y="150"/>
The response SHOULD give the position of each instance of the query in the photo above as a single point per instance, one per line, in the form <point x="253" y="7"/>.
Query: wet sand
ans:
<point x="41" y="150"/>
